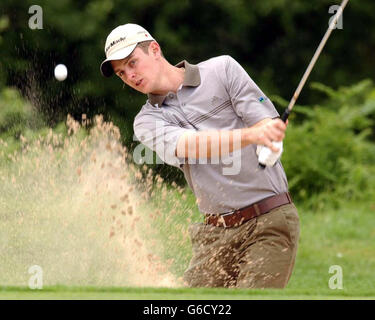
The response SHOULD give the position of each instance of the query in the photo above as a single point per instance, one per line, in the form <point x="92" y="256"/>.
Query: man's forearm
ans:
<point x="219" y="143"/>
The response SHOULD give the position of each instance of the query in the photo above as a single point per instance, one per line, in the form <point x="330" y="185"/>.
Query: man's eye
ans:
<point x="132" y="62"/>
<point x="120" y="74"/>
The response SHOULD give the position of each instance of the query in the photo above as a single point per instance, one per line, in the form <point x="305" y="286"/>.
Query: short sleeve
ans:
<point x="249" y="102"/>
<point x="160" y="135"/>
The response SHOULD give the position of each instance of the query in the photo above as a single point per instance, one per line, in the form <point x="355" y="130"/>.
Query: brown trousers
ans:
<point x="258" y="254"/>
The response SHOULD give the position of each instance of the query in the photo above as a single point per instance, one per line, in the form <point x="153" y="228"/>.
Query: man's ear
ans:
<point x="154" y="49"/>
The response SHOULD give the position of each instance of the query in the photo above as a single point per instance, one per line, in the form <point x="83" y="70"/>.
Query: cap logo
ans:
<point x="113" y="43"/>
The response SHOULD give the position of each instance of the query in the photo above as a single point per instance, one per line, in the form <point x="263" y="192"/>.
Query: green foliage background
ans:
<point x="274" y="40"/>
<point x="329" y="145"/>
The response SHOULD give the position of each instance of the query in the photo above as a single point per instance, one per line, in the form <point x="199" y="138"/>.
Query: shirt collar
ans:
<point x="192" y="78"/>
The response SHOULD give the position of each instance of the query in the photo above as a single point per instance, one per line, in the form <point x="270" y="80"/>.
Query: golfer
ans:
<point x="208" y="119"/>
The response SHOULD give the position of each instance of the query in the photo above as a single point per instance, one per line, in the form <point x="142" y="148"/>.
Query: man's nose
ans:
<point x="130" y="74"/>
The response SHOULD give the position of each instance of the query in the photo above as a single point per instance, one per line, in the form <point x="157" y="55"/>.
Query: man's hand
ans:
<point x="267" y="131"/>
<point x="265" y="155"/>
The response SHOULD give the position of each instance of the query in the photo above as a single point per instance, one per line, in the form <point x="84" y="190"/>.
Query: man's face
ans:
<point x="139" y="70"/>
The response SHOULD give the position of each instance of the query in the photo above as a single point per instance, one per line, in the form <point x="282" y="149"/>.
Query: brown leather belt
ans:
<point x="237" y="217"/>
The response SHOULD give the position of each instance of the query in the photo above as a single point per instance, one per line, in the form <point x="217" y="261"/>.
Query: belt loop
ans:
<point x="222" y="220"/>
<point x="257" y="210"/>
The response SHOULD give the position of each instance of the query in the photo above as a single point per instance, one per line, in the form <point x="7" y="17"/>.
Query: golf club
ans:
<point x="266" y="152"/>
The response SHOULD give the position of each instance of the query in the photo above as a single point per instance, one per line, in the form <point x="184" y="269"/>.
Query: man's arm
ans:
<point x="218" y="143"/>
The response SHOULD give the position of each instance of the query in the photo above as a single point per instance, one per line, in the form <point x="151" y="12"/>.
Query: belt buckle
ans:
<point x="224" y="215"/>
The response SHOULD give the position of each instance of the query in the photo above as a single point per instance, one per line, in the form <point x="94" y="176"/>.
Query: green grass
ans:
<point x="336" y="237"/>
<point x="61" y="292"/>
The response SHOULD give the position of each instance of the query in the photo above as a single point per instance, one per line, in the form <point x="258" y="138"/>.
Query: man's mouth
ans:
<point x="138" y="82"/>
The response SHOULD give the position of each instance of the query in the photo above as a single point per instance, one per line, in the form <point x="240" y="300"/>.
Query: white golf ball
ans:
<point x="61" y="72"/>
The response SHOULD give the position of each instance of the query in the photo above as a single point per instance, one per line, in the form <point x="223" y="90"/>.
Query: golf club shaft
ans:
<point x="286" y="113"/>
<point x="317" y="53"/>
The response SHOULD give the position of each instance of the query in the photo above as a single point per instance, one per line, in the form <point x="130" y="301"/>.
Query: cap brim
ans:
<point x="106" y="67"/>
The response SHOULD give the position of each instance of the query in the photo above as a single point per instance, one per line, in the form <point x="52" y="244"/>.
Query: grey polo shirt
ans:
<point x="216" y="94"/>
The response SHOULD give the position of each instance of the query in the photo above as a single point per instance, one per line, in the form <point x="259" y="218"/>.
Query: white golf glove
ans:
<point x="266" y="156"/>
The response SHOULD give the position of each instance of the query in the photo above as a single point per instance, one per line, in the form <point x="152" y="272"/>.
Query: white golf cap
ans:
<point x="120" y="43"/>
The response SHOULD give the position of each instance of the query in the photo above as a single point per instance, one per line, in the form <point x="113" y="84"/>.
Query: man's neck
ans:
<point x="171" y="79"/>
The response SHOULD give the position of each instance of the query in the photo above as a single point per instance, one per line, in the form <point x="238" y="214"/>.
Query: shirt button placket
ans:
<point x="182" y="104"/>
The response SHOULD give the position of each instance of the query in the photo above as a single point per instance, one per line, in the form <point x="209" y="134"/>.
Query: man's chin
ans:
<point x="142" y="89"/>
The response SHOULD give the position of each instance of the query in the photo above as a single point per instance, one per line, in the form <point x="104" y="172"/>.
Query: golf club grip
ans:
<point x="285" y="115"/>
